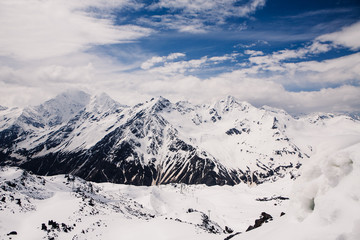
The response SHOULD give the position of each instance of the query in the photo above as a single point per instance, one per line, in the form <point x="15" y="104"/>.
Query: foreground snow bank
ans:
<point x="67" y="207"/>
<point x="325" y="203"/>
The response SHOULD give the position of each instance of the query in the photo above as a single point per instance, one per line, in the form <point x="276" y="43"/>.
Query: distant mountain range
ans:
<point x="158" y="142"/>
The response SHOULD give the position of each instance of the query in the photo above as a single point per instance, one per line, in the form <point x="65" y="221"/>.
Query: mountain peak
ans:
<point x="3" y="108"/>
<point x="273" y="110"/>
<point x="103" y="102"/>
<point x="74" y="96"/>
<point x="229" y="103"/>
<point x="57" y="110"/>
<point x="159" y="103"/>
<point x="159" y="99"/>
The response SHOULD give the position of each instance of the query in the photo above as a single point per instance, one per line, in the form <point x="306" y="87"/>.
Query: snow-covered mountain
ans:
<point x="158" y="142"/>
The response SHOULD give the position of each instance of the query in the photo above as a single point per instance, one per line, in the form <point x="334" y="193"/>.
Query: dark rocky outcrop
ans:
<point x="264" y="218"/>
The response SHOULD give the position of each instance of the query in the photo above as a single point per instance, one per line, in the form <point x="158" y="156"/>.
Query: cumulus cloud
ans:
<point x="267" y="92"/>
<point x="257" y="91"/>
<point x="34" y="29"/>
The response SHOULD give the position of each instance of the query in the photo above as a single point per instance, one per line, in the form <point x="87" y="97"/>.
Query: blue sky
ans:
<point x="302" y="56"/>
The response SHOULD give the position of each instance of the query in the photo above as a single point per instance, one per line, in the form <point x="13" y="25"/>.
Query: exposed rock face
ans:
<point x="264" y="218"/>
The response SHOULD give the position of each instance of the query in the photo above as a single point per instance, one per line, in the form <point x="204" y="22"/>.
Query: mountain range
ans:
<point x="159" y="142"/>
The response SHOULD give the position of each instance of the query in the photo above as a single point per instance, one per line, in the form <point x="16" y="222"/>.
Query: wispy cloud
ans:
<point x="293" y="69"/>
<point x="276" y="58"/>
<point x="253" y="53"/>
<point x="319" y="12"/>
<point x="211" y="8"/>
<point x="167" y="65"/>
<point x="199" y="16"/>
<point x="155" y="60"/>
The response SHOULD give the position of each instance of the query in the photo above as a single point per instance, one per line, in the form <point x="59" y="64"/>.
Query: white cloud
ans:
<point x="277" y="57"/>
<point x="34" y="29"/>
<point x="170" y="80"/>
<point x="151" y="62"/>
<point x="201" y="7"/>
<point x="60" y="33"/>
<point x="173" y="56"/>
<point x="306" y="74"/>
<point x="154" y="60"/>
<point x="179" y="22"/>
<point x="257" y="91"/>
<point x="347" y="37"/>
<point x="253" y="53"/>
<point x="225" y="57"/>
<point x="291" y="68"/>
<point x="339" y="70"/>
<point x="258" y="42"/>
<point x="166" y="65"/>
<point x="198" y="16"/>
<point x="220" y="59"/>
<point x="170" y="68"/>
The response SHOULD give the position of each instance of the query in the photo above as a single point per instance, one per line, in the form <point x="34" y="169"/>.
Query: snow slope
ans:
<point x="325" y="200"/>
<point x="86" y="210"/>
<point x="324" y="204"/>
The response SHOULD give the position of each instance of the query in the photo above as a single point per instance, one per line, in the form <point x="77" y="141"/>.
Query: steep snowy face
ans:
<point x="8" y="116"/>
<point x="55" y="111"/>
<point x="82" y="131"/>
<point x="103" y="103"/>
<point x="252" y="141"/>
<point x="156" y="142"/>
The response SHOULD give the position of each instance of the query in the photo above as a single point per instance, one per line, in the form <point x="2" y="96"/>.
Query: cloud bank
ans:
<point x="81" y="44"/>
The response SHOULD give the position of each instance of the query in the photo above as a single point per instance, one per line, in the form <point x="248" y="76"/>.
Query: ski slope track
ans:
<point x="159" y="142"/>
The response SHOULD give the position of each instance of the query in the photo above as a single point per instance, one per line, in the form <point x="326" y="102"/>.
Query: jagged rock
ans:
<point x="43" y="227"/>
<point x="12" y="233"/>
<point x="264" y="218"/>
<point x="232" y="235"/>
<point x="228" y="230"/>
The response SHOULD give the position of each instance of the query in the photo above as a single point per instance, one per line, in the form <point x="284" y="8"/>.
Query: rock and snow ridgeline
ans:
<point x="157" y="142"/>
